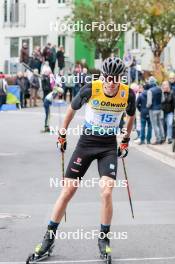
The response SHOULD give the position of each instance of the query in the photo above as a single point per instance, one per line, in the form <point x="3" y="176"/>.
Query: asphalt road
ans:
<point x="29" y="159"/>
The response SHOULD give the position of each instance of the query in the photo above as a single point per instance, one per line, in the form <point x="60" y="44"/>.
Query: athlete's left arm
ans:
<point x="131" y="109"/>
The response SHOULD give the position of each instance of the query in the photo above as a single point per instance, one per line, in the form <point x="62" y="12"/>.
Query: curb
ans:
<point x="157" y="154"/>
<point x="170" y="155"/>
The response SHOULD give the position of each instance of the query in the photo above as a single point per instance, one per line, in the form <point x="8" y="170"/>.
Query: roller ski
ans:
<point x="105" y="250"/>
<point x="43" y="250"/>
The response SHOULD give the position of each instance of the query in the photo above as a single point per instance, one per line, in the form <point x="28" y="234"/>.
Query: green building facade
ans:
<point x="83" y="52"/>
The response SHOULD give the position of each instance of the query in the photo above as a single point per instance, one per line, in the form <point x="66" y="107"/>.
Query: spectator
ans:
<point x="36" y="60"/>
<point x="76" y="75"/>
<point x="45" y="69"/>
<point x="135" y="74"/>
<point x="46" y="85"/>
<point x="24" y="54"/>
<point x="34" y="87"/>
<point x="3" y="89"/>
<point x="60" y="57"/>
<point x="26" y="89"/>
<point x="154" y="98"/>
<point x="52" y="80"/>
<point x="53" y="58"/>
<point x="84" y="78"/>
<point x="47" y="103"/>
<point x="135" y="88"/>
<point x="168" y="106"/>
<point x="47" y="52"/>
<point x="69" y="85"/>
<point x="172" y="81"/>
<point x="21" y="83"/>
<point x="145" y="119"/>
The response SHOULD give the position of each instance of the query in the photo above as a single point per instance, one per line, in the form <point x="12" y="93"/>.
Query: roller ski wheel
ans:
<point x="105" y="250"/>
<point x="34" y="258"/>
<point x="44" y="249"/>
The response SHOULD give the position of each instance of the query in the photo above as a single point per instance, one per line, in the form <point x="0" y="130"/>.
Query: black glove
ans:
<point x="123" y="148"/>
<point x="61" y="142"/>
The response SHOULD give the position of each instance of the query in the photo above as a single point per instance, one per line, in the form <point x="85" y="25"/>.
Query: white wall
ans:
<point x="38" y="19"/>
<point x="144" y="53"/>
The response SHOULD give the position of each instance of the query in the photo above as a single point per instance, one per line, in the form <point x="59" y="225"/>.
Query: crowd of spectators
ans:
<point x="50" y="53"/>
<point x="155" y="102"/>
<point x="156" y="107"/>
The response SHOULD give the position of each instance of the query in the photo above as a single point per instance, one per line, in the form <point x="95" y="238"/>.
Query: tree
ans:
<point x="102" y="13"/>
<point x="156" y="21"/>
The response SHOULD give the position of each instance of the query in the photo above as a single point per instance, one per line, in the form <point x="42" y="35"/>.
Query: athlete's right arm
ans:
<point x="62" y="131"/>
<point x="81" y="98"/>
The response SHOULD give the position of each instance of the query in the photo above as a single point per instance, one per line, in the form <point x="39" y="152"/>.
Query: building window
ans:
<point x="61" y="1"/>
<point x="42" y="1"/>
<point x="135" y="40"/>
<point x="39" y="41"/>
<point x="14" y="47"/>
<point x="36" y="42"/>
<point x="5" y="11"/>
<point x="44" y="41"/>
<point x="61" y="41"/>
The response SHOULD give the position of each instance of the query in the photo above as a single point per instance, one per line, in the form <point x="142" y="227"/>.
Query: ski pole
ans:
<point x="30" y="69"/>
<point x="62" y="168"/>
<point x="128" y="189"/>
<point x="62" y="164"/>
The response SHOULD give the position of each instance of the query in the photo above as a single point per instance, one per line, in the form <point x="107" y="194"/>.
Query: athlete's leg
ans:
<point x="70" y="187"/>
<point x="77" y="167"/>
<point x="107" y="167"/>
<point x="106" y="185"/>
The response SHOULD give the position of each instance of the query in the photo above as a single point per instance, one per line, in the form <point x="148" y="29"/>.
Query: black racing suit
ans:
<point x="90" y="147"/>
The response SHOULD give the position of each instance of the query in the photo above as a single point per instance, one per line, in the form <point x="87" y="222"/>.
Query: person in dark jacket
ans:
<point x="20" y="82"/>
<point x="36" y="60"/>
<point x="3" y="89"/>
<point x="26" y="89"/>
<point x="168" y="106"/>
<point x="145" y="118"/>
<point x="53" y="58"/>
<point x="154" y="98"/>
<point x="60" y="57"/>
<point x="34" y="87"/>
<point x="24" y="54"/>
<point x="46" y="85"/>
<point x="47" y="52"/>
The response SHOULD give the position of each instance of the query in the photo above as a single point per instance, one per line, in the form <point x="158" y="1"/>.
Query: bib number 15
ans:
<point x="107" y="118"/>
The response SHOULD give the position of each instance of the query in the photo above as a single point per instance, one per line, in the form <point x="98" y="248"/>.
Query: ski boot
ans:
<point x="105" y="250"/>
<point x="44" y="249"/>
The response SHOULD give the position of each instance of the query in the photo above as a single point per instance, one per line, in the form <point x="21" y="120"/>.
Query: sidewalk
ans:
<point x="163" y="152"/>
<point x="165" y="149"/>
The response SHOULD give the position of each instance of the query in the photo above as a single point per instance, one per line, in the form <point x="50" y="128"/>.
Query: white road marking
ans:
<point x="6" y="154"/>
<point x="19" y="216"/>
<point x="97" y="260"/>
